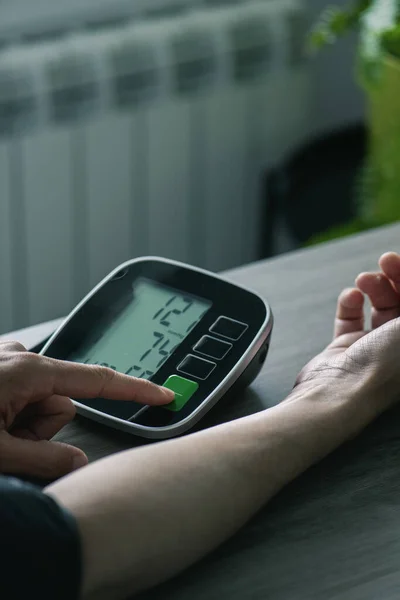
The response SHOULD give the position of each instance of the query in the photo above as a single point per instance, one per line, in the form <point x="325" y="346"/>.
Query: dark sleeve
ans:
<point x="40" y="553"/>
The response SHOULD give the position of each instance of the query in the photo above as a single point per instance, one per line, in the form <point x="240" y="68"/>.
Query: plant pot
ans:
<point x="380" y="200"/>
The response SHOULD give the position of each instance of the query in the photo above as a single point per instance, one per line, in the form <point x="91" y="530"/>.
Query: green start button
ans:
<point x="184" y="390"/>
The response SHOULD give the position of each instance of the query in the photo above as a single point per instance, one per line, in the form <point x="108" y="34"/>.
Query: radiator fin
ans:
<point x="146" y="136"/>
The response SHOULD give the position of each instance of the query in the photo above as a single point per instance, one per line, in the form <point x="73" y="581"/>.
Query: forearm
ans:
<point x="148" y="513"/>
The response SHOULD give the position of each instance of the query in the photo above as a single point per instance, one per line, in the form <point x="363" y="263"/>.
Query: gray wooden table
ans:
<point x="335" y="532"/>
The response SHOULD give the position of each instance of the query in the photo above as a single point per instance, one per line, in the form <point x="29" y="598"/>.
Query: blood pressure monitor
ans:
<point x="176" y="325"/>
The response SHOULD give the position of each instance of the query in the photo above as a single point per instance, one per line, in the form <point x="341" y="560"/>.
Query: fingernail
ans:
<point x="169" y="394"/>
<point x="79" y="461"/>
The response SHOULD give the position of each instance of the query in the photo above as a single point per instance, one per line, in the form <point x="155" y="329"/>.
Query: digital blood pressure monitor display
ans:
<point x="179" y="326"/>
<point x="140" y="339"/>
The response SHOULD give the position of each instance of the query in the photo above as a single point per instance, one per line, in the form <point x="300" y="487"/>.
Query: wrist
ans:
<point x="342" y="408"/>
<point x="310" y="424"/>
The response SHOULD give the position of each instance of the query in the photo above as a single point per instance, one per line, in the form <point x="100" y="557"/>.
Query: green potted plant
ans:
<point x="378" y="72"/>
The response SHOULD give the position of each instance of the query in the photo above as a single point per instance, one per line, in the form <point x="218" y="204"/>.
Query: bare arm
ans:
<point x="149" y="513"/>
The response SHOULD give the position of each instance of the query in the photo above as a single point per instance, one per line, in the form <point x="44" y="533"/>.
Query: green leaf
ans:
<point x="319" y="38"/>
<point x="336" y="22"/>
<point x="333" y="23"/>
<point x="380" y="17"/>
<point x="341" y="231"/>
<point x="377" y="22"/>
<point x="391" y="41"/>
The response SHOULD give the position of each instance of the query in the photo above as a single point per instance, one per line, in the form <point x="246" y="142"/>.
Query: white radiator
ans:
<point x="148" y="138"/>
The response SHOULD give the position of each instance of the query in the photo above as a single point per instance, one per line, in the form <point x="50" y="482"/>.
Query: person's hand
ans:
<point x="360" y="359"/>
<point x="35" y="405"/>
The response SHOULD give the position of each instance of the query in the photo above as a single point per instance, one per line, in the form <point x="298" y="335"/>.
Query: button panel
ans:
<point x="213" y="348"/>
<point x="229" y="328"/>
<point x="196" y="367"/>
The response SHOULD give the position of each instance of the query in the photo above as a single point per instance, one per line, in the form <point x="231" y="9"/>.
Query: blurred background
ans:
<point x="193" y="129"/>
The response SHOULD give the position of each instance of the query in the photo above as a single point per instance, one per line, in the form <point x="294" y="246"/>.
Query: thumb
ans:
<point x="40" y="459"/>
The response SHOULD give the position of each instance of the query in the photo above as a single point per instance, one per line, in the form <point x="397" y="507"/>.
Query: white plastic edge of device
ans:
<point x="159" y="433"/>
